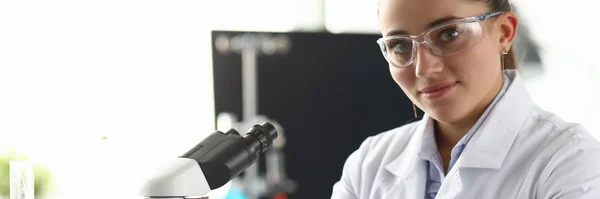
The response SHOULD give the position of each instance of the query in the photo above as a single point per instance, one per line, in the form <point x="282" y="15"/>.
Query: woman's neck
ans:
<point x="449" y="134"/>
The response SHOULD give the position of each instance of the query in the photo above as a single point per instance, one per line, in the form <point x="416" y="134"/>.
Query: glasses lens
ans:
<point x="445" y="40"/>
<point x="398" y="51"/>
<point x="453" y="38"/>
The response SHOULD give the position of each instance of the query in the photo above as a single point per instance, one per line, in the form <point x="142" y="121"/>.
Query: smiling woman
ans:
<point x="481" y="130"/>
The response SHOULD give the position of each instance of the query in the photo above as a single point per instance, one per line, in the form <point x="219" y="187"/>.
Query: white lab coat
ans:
<point x="520" y="151"/>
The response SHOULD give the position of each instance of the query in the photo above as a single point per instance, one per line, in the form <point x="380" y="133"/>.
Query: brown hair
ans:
<point x="510" y="61"/>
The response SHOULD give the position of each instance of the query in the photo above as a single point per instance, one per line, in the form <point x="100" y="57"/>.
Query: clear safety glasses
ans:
<point x="443" y="40"/>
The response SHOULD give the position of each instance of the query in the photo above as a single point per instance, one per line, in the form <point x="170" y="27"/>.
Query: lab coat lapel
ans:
<point x="490" y="144"/>
<point x="492" y="141"/>
<point x="452" y="185"/>
<point x="409" y="170"/>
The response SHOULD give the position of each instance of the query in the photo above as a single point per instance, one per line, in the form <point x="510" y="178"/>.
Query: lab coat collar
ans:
<point x="490" y="144"/>
<point x="407" y="162"/>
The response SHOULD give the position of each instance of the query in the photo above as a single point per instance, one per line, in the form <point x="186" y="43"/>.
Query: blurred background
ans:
<point x="100" y="93"/>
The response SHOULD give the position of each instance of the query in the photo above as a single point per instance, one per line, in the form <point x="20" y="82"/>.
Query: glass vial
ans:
<point x="21" y="180"/>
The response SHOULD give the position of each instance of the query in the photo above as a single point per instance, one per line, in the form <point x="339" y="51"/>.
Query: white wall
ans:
<point x="75" y="71"/>
<point x="137" y="72"/>
<point x="351" y="16"/>
<point x="571" y="85"/>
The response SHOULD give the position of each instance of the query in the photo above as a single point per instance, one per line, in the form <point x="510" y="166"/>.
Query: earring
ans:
<point x="415" y="110"/>
<point x="504" y="52"/>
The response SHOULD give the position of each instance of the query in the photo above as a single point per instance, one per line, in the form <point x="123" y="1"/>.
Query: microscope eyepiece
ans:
<point x="261" y="136"/>
<point x="223" y="156"/>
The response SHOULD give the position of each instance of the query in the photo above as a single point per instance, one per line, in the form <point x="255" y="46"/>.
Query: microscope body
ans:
<point x="181" y="178"/>
<point x="210" y="164"/>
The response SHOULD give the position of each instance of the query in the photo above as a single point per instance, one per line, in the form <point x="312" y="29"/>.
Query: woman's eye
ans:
<point x="449" y="34"/>
<point x="401" y="47"/>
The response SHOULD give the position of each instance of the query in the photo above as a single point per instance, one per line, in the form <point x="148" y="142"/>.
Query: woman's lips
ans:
<point x="437" y="91"/>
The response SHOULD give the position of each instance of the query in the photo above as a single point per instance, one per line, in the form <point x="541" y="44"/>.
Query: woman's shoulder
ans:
<point x="557" y="140"/>
<point x="567" y="157"/>
<point x="555" y="128"/>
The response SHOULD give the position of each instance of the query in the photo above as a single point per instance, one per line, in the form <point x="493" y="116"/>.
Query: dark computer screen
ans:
<point x="328" y="91"/>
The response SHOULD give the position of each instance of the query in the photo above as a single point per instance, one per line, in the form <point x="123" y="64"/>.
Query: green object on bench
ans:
<point x="43" y="179"/>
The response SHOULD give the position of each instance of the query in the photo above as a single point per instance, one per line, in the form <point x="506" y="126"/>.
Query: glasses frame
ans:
<point x="418" y="39"/>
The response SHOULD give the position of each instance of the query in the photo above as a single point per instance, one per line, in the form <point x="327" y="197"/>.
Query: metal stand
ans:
<point x="250" y="46"/>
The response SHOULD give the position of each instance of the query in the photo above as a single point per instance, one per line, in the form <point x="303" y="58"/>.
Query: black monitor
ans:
<point x="328" y="91"/>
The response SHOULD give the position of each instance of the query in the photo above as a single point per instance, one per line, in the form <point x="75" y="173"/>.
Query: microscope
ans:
<point x="222" y="157"/>
<point x="210" y="164"/>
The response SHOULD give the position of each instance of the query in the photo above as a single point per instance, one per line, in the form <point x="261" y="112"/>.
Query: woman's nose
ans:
<point x="426" y="63"/>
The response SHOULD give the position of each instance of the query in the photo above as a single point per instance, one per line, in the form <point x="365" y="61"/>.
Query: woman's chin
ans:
<point x="447" y="110"/>
<point x="445" y="114"/>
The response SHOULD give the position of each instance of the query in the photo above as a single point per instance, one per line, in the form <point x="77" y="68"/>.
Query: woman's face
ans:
<point x="447" y="88"/>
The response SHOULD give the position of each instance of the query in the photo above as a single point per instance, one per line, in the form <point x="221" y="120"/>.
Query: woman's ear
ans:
<point x="509" y="23"/>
